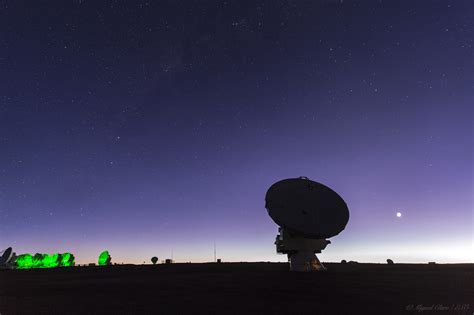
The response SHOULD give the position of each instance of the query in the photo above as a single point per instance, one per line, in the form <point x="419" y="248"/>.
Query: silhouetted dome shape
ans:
<point x="154" y="260"/>
<point x="343" y="261"/>
<point x="389" y="261"/>
<point x="306" y="207"/>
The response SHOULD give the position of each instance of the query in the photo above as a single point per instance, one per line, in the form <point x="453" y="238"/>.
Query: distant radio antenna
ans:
<point x="215" y="257"/>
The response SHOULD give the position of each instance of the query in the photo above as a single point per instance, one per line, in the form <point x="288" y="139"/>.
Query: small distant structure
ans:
<point x="91" y="264"/>
<point x="169" y="261"/>
<point x="343" y="261"/>
<point x="389" y="261"/>
<point x="218" y="260"/>
<point x="432" y="263"/>
<point x="154" y="260"/>
<point x="352" y="262"/>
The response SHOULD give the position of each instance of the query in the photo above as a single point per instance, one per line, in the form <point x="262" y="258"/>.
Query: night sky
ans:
<point x="155" y="128"/>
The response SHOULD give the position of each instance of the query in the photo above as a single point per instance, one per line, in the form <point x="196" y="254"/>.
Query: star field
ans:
<point x="148" y="127"/>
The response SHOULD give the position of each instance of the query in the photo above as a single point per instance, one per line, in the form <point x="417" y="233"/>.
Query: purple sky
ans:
<point x="147" y="128"/>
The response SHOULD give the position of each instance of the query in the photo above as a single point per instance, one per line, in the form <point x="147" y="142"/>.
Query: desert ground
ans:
<point x="240" y="288"/>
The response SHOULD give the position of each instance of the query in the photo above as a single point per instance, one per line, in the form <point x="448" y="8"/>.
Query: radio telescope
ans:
<point x="6" y="257"/>
<point x="104" y="258"/>
<point x="308" y="213"/>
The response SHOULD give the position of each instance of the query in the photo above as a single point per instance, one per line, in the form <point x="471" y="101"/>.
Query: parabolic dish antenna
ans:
<point x="104" y="258"/>
<point x="307" y="213"/>
<point x="6" y="256"/>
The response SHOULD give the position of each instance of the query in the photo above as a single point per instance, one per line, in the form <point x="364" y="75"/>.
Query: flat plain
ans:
<point x="240" y="288"/>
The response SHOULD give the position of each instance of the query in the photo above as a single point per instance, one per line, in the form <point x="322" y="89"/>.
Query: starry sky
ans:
<point x="156" y="127"/>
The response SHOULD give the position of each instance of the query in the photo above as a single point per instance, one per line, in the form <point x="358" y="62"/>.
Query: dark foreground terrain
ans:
<point x="239" y="289"/>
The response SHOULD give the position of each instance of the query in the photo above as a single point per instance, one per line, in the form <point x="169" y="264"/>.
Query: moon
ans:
<point x="399" y="214"/>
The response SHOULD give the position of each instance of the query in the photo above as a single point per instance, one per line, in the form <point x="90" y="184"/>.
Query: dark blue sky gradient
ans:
<point x="154" y="127"/>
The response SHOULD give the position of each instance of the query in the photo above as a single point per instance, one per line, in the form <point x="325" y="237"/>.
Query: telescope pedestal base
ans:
<point x="305" y="261"/>
<point x="301" y="250"/>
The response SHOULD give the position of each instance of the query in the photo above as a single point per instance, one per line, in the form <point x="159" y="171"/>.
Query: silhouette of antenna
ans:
<point x="6" y="257"/>
<point x="215" y="257"/>
<point x="308" y="213"/>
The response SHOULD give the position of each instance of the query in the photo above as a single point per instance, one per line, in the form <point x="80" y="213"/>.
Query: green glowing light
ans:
<point x="24" y="261"/>
<point x="51" y="261"/>
<point x="27" y="261"/>
<point x="104" y="258"/>
<point x="67" y="260"/>
<point x="38" y="260"/>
